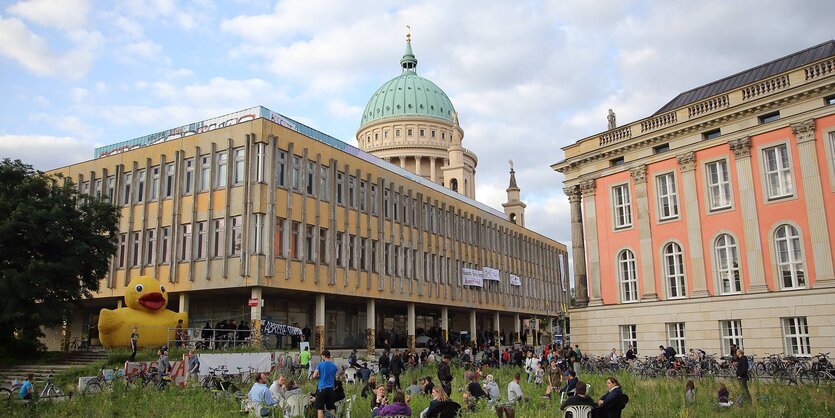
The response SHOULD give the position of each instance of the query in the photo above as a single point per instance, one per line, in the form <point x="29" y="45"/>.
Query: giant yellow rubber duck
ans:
<point x="145" y="301"/>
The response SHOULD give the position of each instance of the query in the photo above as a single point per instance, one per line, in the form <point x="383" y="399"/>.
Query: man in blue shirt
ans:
<point x="260" y="393"/>
<point x="326" y="373"/>
<point x="26" y="390"/>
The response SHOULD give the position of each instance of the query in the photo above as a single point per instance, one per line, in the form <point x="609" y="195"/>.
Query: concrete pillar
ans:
<point x="417" y="164"/>
<point x="254" y="314"/>
<point x="578" y="251"/>
<point x="445" y="323"/>
<point x="320" y="322"/>
<point x="410" y="326"/>
<point x="750" y="222"/>
<point x="183" y="302"/>
<point x="587" y="187"/>
<point x="497" y="326"/>
<point x="472" y="326"/>
<point x="816" y="212"/>
<point x="517" y="329"/>
<point x="432" y="173"/>
<point x="370" y="327"/>
<point x="403" y="162"/>
<point x="641" y="200"/>
<point x="687" y="163"/>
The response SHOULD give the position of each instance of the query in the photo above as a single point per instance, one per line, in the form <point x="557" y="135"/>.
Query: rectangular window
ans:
<point x="280" y="168"/>
<point x="713" y="133"/>
<point x="374" y="199"/>
<point x="617" y="161"/>
<point x="297" y="173"/>
<point x="310" y="181"/>
<point x="150" y="247"/>
<point x="219" y="238"/>
<point x="237" y="235"/>
<point x="188" y="176"/>
<point x="778" y="172"/>
<point x="127" y="180"/>
<point x="408" y="132"/>
<point x="295" y="232"/>
<point x="628" y="338"/>
<point x="387" y="254"/>
<point x="309" y="241"/>
<point x="404" y="202"/>
<point x="123" y="238"/>
<point x="352" y="252"/>
<point x="363" y="187"/>
<point x="386" y="203"/>
<point x="339" y="186"/>
<point x="202" y="236"/>
<point x="769" y="117"/>
<point x="165" y="244"/>
<point x="260" y="156"/>
<point x="395" y="202"/>
<point x="111" y="187"/>
<point x="422" y="132"/>
<point x="675" y="336"/>
<point x="322" y="251"/>
<point x="169" y="180"/>
<point x="364" y="254"/>
<point x="279" y="237"/>
<point x="240" y="162"/>
<point x="667" y="196"/>
<point x="718" y="185"/>
<point x="658" y="149"/>
<point x="340" y="239"/>
<point x="374" y="267"/>
<point x="731" y="335"/>
<point x="258" y="233"/>
<point x="97" y="188"/>
<point x="323" y="183"/>
<point x="140" y="186"/>
<point x="221" y="172"/>
<point x="796" y="336"/>
<point x="154" y="192"/>
<point x="135" y="257"/>
<point x="352" y="190"/>
<point x="622" y="206"/>
<point x="205" y="170"/>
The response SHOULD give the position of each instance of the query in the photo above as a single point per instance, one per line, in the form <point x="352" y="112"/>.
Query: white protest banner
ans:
<point x="471" y="277"/>
<point x="491" y="274"/>
<point x="515" y="281"/>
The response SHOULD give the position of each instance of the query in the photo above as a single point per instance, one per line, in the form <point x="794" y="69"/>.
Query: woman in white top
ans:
<point x="531" y="365"/>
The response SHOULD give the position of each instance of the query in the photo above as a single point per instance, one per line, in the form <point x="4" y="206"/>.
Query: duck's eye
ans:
<point x="162" y="288"/>
<point x="139" y="288"/>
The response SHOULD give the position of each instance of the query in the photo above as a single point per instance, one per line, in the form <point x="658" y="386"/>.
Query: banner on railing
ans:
<point x="274" y="328"/>
<point x="471" y="277"/>
<point x="515" y="280"/>
<point x="178" y="370"/>
<point x="491" y="274"/>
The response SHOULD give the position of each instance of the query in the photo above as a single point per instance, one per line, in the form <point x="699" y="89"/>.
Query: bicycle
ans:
<point x="79" y="345"/>
<point x="220" y="385"/>
<point x="99" y="383"/>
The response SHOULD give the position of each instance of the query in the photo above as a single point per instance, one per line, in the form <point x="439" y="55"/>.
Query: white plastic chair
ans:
<point x="350" y="375"/>
<point x="349" y="404"/>
<point x="578" y="411"/>
<point x="296" y="406"/>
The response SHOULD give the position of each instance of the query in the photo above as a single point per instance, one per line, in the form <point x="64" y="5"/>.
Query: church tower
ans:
<point x="514" y="208"/>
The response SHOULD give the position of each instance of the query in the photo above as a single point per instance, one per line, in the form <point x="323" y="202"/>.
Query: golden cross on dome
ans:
<point x="408" y="33"/>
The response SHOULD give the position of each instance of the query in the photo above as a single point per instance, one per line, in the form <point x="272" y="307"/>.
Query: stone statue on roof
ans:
<point x="611" y="118"/>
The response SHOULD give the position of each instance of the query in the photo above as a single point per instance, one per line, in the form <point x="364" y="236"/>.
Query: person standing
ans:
<point x="384" y="364"/>
<point x="514" y="390"/>
<point x="742" y="366"/>
<point x="193" y="366"/>
<point x="163" y="364"/>
<point x="134" y="343"/>
<point x="396" y="366"/>
<point x="304" y="359"/>
<point x="179" y="336"/>
<point x="326" y="373"/>
<point x="445" y="375"/>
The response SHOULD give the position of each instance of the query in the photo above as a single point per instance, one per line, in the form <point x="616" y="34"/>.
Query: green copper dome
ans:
<point x="408" y="95"/>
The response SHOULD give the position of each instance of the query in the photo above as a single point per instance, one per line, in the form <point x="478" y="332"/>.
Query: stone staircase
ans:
<point x="42" y="371"/>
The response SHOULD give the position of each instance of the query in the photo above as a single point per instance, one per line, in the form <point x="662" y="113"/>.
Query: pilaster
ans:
<point x="578" y="253"/>
<point x="639" y="176"/>
<point x="804" y="132"/>
<point x="687" y="164"/>
<point x="320" y="322"/>
<point x="587" y="187"/>
<point x="750" y="221"/>
<point x="370" y="326"/>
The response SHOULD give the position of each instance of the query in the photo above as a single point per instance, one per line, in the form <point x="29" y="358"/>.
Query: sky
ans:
<point x="526" y="77"/>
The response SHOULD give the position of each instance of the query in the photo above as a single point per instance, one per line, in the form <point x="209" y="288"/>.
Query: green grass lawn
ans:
<point x="648" y="398"/>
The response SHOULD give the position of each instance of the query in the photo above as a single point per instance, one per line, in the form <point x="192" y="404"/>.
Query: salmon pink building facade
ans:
<point x="712" y="221"/>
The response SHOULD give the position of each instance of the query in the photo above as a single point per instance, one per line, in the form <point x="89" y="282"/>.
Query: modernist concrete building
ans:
<point x="256" y="205"/>
<point x="712" y="221"/>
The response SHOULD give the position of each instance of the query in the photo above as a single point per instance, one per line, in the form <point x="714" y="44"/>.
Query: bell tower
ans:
<point x="514" y="208"/>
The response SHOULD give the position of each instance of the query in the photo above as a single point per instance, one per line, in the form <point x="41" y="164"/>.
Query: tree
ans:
<point x="55" y="246"/>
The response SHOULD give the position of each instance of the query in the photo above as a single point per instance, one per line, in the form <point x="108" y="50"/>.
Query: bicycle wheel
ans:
<point x="6" y="396"/>
<point x="808" y="377"/>
<point x="92" y="387"/>
<point x="54" y="392"/>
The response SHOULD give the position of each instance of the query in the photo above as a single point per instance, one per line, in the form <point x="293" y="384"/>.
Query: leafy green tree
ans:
<point x="55" y="246"/>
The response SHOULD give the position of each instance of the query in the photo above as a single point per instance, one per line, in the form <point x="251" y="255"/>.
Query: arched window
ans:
<point x="674" y="271"/>
<point x="627" y="276"/>
<point x="727" y="264"/>
<point x="513" y="217"/>
<point x="453" y="184"/>
<point x="789" y="257"/>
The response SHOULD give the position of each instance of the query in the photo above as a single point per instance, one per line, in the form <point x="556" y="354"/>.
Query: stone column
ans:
<point x="517" y="329"/>
<point x="445" y="323"/>
<point x="472" y="326"/>
<point x="804" y="132"/>
<point x="497" y="326"/>
<point x="254" y="315"/>
<point x="320" y="322"/>
<point x="587" y="187"/>
<point x="410" y="326"/>
<point x="578" y="253"/>
<point x="403" y="162"/>
<point x="687" y="163"/>
<point x="639" y="176"/>
<point x="432" y="173"/>
<point x="750" y="223"/>
<point x="417" y="164"/>
<point x="184" y="302"/>
<point x="370" y="327"/>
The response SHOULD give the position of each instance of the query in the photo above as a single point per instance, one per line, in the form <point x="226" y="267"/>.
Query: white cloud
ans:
<point x="30" y="149"/>
<point x="33" y="52"/>
<point x="339" y="108"/>
<point x="61" y="14"/>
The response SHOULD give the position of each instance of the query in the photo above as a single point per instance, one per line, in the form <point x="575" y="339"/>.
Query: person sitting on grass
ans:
<point x="414" y="389"/>
<point x="724" y="396"/>
<point x="475" y="389"/>
<point x="398" y="407"/>
<point x="439" y="401"/>
<point x="492" y="388"/>
<point x="369" y="387"/>
<point x="579" y="398"/>
<point x="26" y="390"/>
<point x="514" y="391"/>
<point x="690" y="392"/>
<point x="378" y="400"/>
<point x="427" y="385"/>
<point x="572" y="382"/>
<point x="364" y="372"/>
<point x="607" y="402"/>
